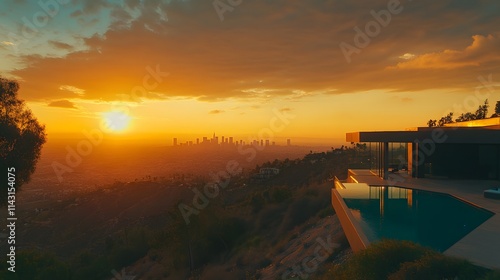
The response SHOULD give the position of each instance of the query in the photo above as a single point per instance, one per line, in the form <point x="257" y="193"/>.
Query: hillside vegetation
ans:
<point x="138" y="226"/>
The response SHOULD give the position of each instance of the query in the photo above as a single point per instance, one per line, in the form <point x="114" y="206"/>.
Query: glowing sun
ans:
<point x="116" y="121"/>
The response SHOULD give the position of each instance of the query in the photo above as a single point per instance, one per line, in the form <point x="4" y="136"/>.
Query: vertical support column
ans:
<point x="380" y="159"/>
<point x="414" y="160"/>
<point x="409" y="157"/>
<point x="386" y="161"/>
<point x="418" y="170"/>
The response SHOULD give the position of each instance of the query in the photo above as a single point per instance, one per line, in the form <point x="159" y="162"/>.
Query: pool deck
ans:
<point x="482" y="245"/>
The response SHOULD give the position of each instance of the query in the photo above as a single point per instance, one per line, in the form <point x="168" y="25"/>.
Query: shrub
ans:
<point x="33" y="264"/>
<point x="437" y="267"/>
<point x="493" y="275"/>
<point x="280" y="194"/>
<point x="379" y="260"/>
<point x="398" y="260"/>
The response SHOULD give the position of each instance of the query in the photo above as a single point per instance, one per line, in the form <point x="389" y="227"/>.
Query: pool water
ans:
<point x="428" y="218"/>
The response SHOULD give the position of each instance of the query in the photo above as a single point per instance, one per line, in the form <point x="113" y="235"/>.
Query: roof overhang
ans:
<point x="459" y="135"/>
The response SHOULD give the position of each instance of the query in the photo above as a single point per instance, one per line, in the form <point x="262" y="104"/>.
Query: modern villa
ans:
<point x="427" y="185"/>
<point x="467" y="150"/>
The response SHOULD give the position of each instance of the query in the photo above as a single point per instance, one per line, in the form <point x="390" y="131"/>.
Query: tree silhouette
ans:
<point x="446" y="119"/>
<point x="431" y="123"/>
<point x="21" y="138"/>
<point x="481" y="113"/>
<point x="497" y="110"/>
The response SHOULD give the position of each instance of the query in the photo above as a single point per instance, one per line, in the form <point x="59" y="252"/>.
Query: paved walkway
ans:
<point x="482" y="245"/>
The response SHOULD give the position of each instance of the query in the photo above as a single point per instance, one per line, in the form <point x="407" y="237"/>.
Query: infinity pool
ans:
<point x="428" y="218"/>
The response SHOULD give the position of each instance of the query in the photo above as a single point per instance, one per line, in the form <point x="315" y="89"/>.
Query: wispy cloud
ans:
<point x="215" y="112"/>
<point x="75" y="90"/>
<point x="61" y="45"/>
<point x="62" y="104"/>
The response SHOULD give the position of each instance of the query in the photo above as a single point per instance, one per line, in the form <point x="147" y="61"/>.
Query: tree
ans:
<point x="431" y="123"/>
<point x="21" y="138"/>
<point x="446" y="119"/>
<point x="466" y="117"/>
<point x="497" y="110"/>
<point x="482" y="111"/>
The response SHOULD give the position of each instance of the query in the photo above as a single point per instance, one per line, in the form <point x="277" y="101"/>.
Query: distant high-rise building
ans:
<point x="197" y="141"/>
<point x="205" y="140"/>
<point x="241" y="142"/>
<point x="230" y="140"/>
<point x="222" y="140"/>
<point x="262" y="142"/>
<point x="274" y="143"/>
<point x="288" y="142"/>
<point x="175" y="141"/>
<point x="267" y="142"/>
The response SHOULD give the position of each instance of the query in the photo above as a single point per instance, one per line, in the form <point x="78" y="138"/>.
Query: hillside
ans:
<point x="253" y="227"/>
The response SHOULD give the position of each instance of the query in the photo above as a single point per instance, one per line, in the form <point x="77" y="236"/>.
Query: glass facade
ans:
<point x="397" y="153"/>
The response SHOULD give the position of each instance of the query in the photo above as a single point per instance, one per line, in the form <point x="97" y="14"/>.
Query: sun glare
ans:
<point x="116" y="121"/>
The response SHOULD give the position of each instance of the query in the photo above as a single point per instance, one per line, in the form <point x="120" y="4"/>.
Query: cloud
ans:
<point x="61" y="45"/>
<point x="75" y="90"/>
<point x="483" y="49"/>
<point x="286" y="109"/>
<point x="62" y="104"/>
<point x="292" y="51"/>
<point x="215" y="112"/>
<point x="407" y="56"/>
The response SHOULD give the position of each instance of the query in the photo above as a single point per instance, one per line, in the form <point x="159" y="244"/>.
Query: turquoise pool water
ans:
<point x="428" y="218"/>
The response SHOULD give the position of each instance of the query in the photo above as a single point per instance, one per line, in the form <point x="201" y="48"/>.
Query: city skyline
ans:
<point x="230" y="141"/>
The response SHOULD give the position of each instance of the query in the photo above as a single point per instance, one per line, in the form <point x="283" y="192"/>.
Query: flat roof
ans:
<point x="458" y="135"/>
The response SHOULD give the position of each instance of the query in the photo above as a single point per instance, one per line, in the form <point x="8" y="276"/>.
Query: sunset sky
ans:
<point x="191" y="68"/>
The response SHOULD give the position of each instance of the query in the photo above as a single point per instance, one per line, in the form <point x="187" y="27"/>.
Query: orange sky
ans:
<point x="177" y="69"/>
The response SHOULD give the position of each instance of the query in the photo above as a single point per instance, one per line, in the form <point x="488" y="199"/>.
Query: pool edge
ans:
<point x="352" y="230"/>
